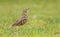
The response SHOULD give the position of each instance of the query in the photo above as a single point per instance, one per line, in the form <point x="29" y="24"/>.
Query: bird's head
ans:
<point x="25" y="9"/>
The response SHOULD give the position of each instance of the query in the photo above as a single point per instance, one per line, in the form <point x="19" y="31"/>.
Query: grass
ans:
<point x="43" y="18"/>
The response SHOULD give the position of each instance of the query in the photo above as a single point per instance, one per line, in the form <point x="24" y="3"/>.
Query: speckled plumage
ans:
<point x="22" y="19"/>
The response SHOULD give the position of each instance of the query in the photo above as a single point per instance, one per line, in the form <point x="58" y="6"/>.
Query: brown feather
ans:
<point x="22" y="19"/>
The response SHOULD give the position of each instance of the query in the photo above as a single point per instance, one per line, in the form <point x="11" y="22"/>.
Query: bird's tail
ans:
<point x="12" y="25"/>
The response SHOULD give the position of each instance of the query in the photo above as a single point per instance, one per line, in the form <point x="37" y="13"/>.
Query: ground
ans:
<point x="43" y="18"/>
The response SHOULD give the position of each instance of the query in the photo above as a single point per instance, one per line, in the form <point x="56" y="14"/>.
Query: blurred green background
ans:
<point x="43" y="18"/>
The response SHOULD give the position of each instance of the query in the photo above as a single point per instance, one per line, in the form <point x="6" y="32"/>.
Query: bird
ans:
<point x="22" y="19"/>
